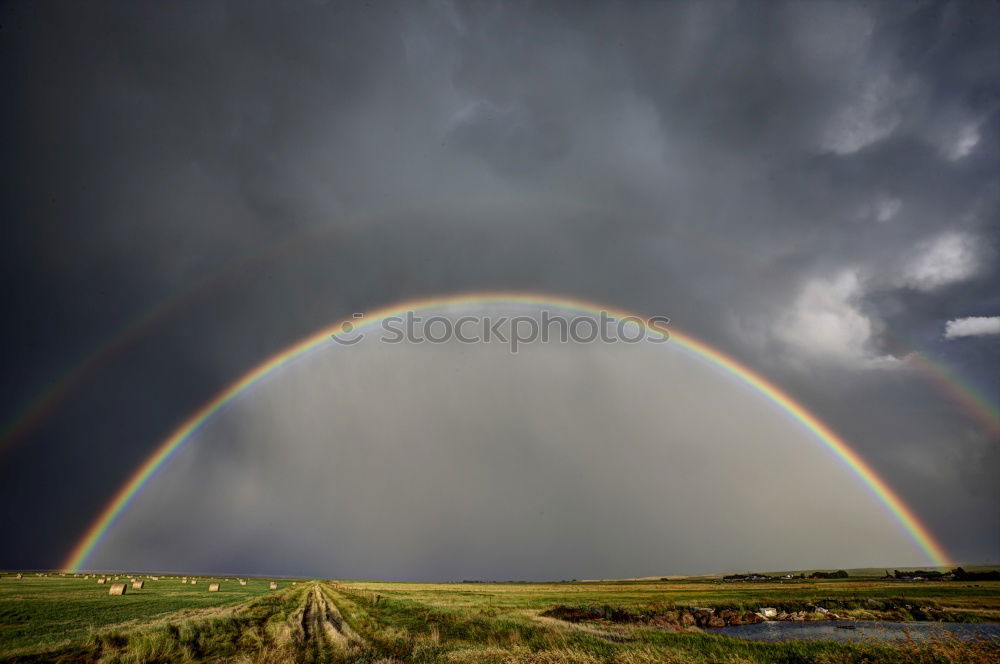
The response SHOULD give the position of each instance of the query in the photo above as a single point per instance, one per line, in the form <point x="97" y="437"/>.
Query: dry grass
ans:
<point x="454" y="624"/>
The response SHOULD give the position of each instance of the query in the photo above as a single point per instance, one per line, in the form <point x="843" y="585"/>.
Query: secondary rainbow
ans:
<point x="917" y="531"/>
<point x="967" y="395"/>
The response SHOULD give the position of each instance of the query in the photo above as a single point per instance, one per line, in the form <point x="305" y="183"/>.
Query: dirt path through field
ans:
<point x="321" y="627"/>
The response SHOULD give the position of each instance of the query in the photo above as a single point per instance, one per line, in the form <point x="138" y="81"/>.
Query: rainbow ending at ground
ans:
<point x="908" y="520"/>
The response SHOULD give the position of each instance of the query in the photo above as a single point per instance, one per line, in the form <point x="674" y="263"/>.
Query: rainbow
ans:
<point x="969" y="397"/>
<point x="59" y="390"/>
<point x="917" y="531"/>
<point x="43" y="404"/>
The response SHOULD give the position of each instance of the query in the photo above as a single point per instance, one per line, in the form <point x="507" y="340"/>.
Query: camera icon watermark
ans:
<point x="515" y="331"/>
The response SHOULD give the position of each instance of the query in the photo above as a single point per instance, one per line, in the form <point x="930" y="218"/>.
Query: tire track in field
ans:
<point x="321" y="628"/>
<point x="334" y="617"/>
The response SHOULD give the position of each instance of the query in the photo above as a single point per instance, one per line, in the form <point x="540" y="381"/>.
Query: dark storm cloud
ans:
<point x="809" y="186"/>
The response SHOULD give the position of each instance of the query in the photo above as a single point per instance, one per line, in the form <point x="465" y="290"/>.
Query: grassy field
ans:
<point x="969" y="603"/>
<point x="44" y="613"/>
<point x="72" y="619"/>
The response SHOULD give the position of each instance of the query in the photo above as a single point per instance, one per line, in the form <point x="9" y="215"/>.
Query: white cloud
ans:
<point x="887" y="208"/>
<point x="881" y="208"/>
<point x="874" y="114"/>
<point x="954" y="133"/>
<point x="946" y="259"/>
<point x="972" y="326"/>
<point x="962" y="144"/>
<point x="825" y="321"/>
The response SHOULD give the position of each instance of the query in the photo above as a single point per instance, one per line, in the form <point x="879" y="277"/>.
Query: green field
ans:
<point x="57" y="618"/>
<point x="54" y="611"/>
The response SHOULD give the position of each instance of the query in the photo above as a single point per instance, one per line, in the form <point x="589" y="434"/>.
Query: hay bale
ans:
<point x="117" y="589"/>
<point x="213" y="587"/>
<point x="274" y="585"/>
<point x="194" y="581"/>
<point x="242" y="582"/>
<point x="137" y="585"/>
<point x="19" y="575"/>
<point x="102" y="580"/>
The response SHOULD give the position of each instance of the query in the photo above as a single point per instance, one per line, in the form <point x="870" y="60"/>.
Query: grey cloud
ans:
<point x="725" y="164"/>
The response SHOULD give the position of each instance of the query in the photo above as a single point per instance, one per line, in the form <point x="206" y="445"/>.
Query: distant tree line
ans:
<point x="839" y="574"/>
<point x="958" y="574"/>
<point x="737" y="577"/>
<point x="525" y="582"/>
<point x="756" y="576"/>
<point x="926" y="574"/>
<point x="961" y="575"/>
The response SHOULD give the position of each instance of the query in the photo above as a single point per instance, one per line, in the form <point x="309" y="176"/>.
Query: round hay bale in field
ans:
<point x="102" y="581"/>
<point x="242" y="582"/>
<point x="274" y="585"/>
<point x="137" y="585"/>
<point x="117" y="589"/>
<point x="213" y="587"/>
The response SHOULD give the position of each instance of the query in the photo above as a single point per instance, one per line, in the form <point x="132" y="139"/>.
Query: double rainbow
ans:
<point x="917" y="531"/>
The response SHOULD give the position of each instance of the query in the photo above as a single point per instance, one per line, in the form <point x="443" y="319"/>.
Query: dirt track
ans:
<point x="320" y="626"/>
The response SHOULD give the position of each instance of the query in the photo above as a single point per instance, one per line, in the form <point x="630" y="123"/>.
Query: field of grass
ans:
<point x="980" y="601"/>
<point x="65" y="619"/>
<point x="43" y="613"/>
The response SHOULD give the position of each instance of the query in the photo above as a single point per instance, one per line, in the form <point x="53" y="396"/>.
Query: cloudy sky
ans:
<point x="189" y="187"/>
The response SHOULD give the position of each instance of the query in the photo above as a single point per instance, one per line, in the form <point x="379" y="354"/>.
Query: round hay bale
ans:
<point x="117" y="589"/>
<point x="213" y="587"/>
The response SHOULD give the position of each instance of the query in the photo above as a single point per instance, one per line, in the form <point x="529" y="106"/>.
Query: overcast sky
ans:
<point x="810" y="187"/>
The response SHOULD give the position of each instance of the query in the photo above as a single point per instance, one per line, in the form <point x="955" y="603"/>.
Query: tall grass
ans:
<point x="431" y="625"/>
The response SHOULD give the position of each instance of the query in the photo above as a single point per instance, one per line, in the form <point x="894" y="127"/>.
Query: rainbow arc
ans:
<point x="821" y="432"/>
